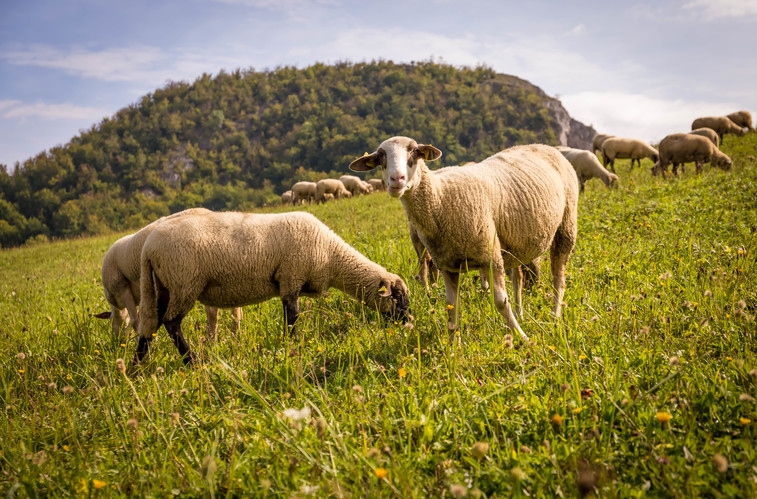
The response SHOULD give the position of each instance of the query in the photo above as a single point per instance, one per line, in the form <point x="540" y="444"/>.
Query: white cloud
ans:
<point x="639" y="116"/>
<point x="724" y="9"/>
<point x="576" y="31"/>
<point x="16" y="109"/>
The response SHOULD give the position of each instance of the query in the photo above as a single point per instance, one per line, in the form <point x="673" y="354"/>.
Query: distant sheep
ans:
<point x="721" y="124"/>
<point x="709" y="133"/>
<point x="495" y="215"/>
<point x="742" y="119"/>
<point x="596" y="143"/>
<point x="377" y="184"/>
<point x="331" y="186"/>
<point x="303" y="192"/>
<point x="587" y="166"/>
<point x="623" y="148"/>
<point x="679" y="148"/>
<point x="231" y="259"/>
<point x="121" y="272"/>
<point x="355" y="185"/>
<point x="287" y="197"/>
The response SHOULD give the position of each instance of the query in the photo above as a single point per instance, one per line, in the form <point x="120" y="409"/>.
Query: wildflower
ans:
<point x="21" y="371"/>
<point x="517" y="474"/>
<point x="664" y="417"/>
<point x="121" y="365"/>
<point x="373" y="453"/>
<point x="582" y="357"/>
<point x="707" y="293"/>
<point x="96" y="351"/>
<point x="66" y="448"/>
<point x="132" y="423"/>
<point x="408" y="326"/>
<point x="457" y="491"/>
<point x="577" y="410"/>
<point x="508" y="341"/>
<point x="183" y="391"/>
<point x="720" y="462"/>
<point x="556" y="420"/>
<point x="174" y="417"/>
<point x="745" y="397"/>
<point x="741" y="304"/>
<point x="674" y="360"/>
<point x="52" y="385"/>
<point x="67" y="390"/>
<point x="744" y="421"/>
<point x="381" y="473"/>
<point x="402" y="373"/>
<point x="159" y="370"/>
<point x="357" y="389"/>
<point x="20" y="355"/>
<point x="296" y="415"/>
<point x="479" y="450"/>
<point x="123" y="345"/>
<point x="98" y="484"/>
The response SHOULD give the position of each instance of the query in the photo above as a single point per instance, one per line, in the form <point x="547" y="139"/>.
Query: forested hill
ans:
<point x="236" y="140"/>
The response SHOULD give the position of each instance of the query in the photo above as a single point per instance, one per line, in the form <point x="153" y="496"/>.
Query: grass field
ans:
<point x="646" y="386"/>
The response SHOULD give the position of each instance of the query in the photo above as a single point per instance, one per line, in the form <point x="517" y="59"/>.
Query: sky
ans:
<point x="629" y="68"/>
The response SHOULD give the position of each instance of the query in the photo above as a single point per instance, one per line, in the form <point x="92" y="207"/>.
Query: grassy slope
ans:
<point x="653" y="325"/>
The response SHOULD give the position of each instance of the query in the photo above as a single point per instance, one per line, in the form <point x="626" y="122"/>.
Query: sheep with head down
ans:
<point x="304" y="192"/>
<point x="721" y="124"/>
<point x="587" y="166"/>
<point x="231" y="259"/>
<point x="355" y="185"/>
<point x="679" y="148"/>
<point x="742" y="119"/>
<point x="495" y="215"/>
<point x="330" y="186"/>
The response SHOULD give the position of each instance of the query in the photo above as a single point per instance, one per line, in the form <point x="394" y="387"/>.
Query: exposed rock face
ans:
<point x="569" y="132"/>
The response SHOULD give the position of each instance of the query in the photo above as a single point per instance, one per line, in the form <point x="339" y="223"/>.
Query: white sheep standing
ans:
<point x="331" y="186"/>
<point x="596" y="142"/>
<point x="587" y="166"/>
<point x="498" y="214"/>
<point x="355" y="185"/>
<point x="120" y="276"/>
<point x="287" y="197"/>
<point x="679" y="148"/>
<point x="721" y="124"/>
<point x="624" y="148"/>
<point x="303" y="192"/>
<point x="232" y="259"/>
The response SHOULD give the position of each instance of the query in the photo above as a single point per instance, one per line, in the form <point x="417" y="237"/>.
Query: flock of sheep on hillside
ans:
<point x="497" y="216"/>
<point x="329" y="189"/>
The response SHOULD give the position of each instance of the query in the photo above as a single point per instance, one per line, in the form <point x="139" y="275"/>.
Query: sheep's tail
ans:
<point x="149" y="316"/>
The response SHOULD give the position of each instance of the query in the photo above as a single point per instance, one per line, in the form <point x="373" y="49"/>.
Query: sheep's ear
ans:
<point x="365" y="163"/>
<point x="102" y="315"/>
<point x="429" y="153"/>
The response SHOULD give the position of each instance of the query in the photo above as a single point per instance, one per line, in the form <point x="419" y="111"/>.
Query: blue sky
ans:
<point x="639" y="69"/>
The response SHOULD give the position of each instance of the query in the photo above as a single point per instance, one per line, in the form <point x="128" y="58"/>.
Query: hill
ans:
<point x="235" y="140"/>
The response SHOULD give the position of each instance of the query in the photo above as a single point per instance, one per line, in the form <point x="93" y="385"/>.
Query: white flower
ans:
<point x="297" y="414"/>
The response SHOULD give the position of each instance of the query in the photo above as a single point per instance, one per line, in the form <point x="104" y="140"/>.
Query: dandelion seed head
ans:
<point x="707" y="293"/>
<point x="674" y="360"/>
<point x="52" y="385"/>
<point x="132" y="424"/>
<point x="67" y="390"/>
<point x="479" y="450"/>
<point x="373" y="453"/>
<point x="745" y="397"/>
<point x="121" y="366"/>
<point x="20" y="355"/>
<point x="720" y="462"/>
<point x="517" y="474"/>
<point x="457" y="491"/>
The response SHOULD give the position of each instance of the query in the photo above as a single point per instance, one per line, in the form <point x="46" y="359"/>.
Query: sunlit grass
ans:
<point x="645" y="386"/>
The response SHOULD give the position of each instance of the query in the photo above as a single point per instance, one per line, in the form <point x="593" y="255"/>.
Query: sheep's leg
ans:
<point x="562" y="246"/>
<point x="502" y="302"/>
<point x="291" y="305"/>
<point x="118" y="317"/>
<point x="516" y="276"/>
<point x="451" y="281"/>
<point x="173" y="326"/>
<point x="127" y="298"/>
<point x="211" y="313"/>
<point x="531" y="273"/>
<point x="236" y="315"/>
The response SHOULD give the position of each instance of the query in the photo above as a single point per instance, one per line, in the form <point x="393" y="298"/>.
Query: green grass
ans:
<point x="661" y="301"/>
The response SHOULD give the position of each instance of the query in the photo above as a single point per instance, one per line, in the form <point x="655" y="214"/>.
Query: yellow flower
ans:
<point x="664" y="417"/>
<point x="582" y="357"/>
<point x="96" y="351"/>
<point x="98" y="484"/>
<point x="577" y="410"/>
<point x="21" y="371"/>
<point x="402" y="372"/>
<point x="123" y="345"/>
<point x="320" y="349"/>
<point x="450" y="307"/>
<point x="65" y="448"/>
<point x="381" y="473"/>
<point x="556" y="420"/>
<point x="551" y="347"/>
<point x="744" y="421"/>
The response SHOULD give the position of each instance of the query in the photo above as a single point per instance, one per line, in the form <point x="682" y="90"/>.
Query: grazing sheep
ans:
<point x="232" y="259"/>
<point x="742" y="119"/>
<point x="587" y="166"/>
<point x="331" y="186"/>
<point x="709" y="133"/>
<point x="495" y="215"/>
<point x="120" y="276"/>
<point x="287" y="197"/>
<point x="680" y="148"/>
<point x="303" y="191"/>
<point x="596" y="143"/>
<point x="377" y="184"/>
<point x="355" y="185"/>
<point x="721" y="124"/>
<point x="623" y="148"/>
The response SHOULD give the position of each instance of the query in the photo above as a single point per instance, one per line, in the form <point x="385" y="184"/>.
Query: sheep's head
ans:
<point x="722" y="161"/>
<point x="612" y="179"/>
<point x="393" y="300"/>
<point x="399" y="158"/>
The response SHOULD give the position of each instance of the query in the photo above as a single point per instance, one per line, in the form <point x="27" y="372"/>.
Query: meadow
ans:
<point x="645" y="387"/>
